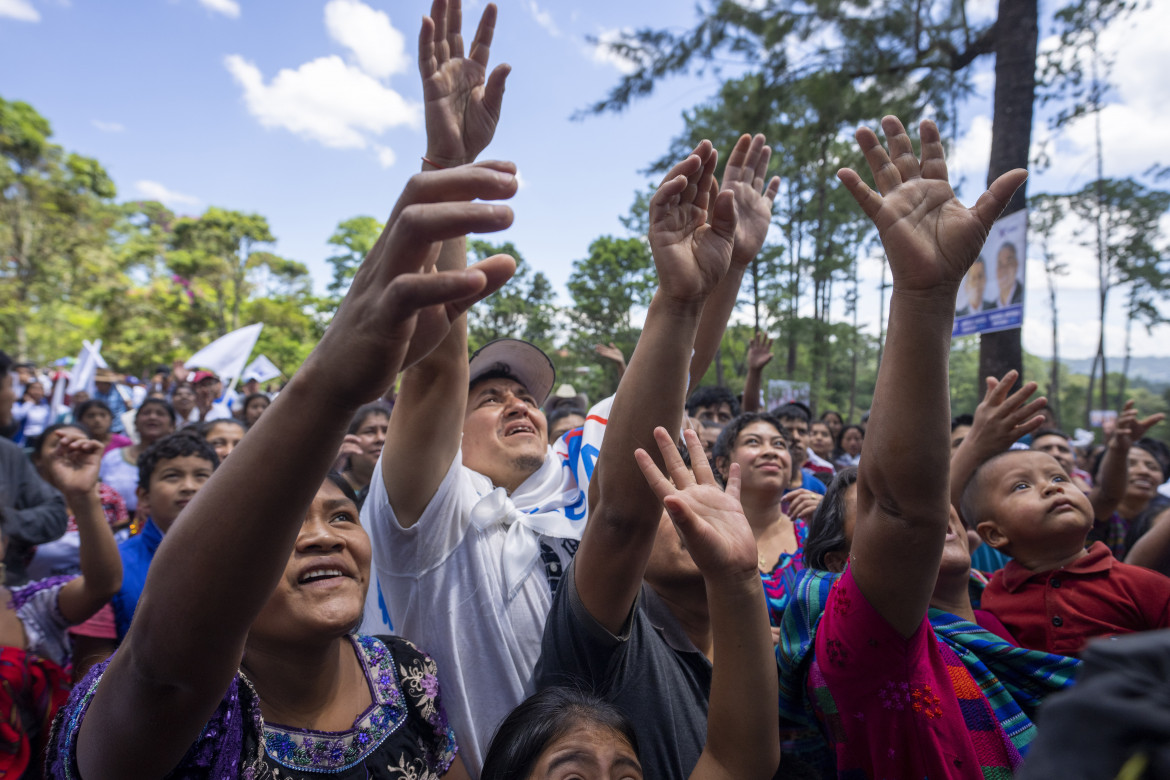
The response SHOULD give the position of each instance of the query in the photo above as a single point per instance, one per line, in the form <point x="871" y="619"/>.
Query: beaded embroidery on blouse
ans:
<point x="305" y="749"/>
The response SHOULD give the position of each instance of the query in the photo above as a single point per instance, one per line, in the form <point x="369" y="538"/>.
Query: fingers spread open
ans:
<point x="738" y="158"/>
<point x="901" y="148"/>
<point x="699" y="463"/>
<point x="658" y="483"/>
<point x="455" y="28"/>
<point x="426" y="49"/>
<point x="885" y="175"/>
<point x="870" y="201"/>
<point x="761" y="169"/>
<point x="675" y="467"/>
<point x="481" y="46"/>
<point x="408" y="293"/>
<point x="998" y="393"/>
<point x="439" y="17"/>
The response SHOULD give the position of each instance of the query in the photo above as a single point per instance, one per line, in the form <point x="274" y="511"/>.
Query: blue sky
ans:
<point x="309" y="113"/>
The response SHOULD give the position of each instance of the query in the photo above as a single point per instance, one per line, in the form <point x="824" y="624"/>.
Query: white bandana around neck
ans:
<point x="551" y="502"/>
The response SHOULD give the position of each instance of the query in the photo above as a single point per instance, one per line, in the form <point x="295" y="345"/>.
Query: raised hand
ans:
<point x="74" y="464"/>
<point x="461" y="109"/>
<point x="759" y="352"/>
<point x="744" y="178"/>
<point x="1129" y="428"/>
<point x="803" y="503"/>
<point x="1001" y="419"/>
<point x="350" y="445"/>
<point x="930" y="237"/>
<point x="612" y="353"/>
<point x="711" y="521"/>
<point x="399" y="308"/>
<point x="691" y="256"/>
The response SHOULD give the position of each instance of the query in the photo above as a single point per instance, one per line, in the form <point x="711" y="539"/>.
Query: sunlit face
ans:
<point x="224" y="437"/>
<point x="153" y="421"/>
<point x="834" y="421"/>
<point x="323" y="588"/>
<point x="763" y="457"/>
<point x="254" y="409"/>
<point x="503" y="426"/>
<point x="820" y="440"/>
<point x="1057" y="447"/>
<point x="1032" y="502"/>
<point x="1144" y="475"/>
<point x="97" y="420"/>
<point x="851" y="441"/>
<point x="173" y="483"/>
<point x="589" y="751"/>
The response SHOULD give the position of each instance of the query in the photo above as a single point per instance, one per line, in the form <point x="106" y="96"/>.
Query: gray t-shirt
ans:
<point x="651" y="672"/>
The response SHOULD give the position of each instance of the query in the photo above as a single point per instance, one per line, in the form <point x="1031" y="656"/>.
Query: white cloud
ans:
<point x="544" y="19"/>
<point x="108" y="127"/>
<point x="386" y="155"/>
<point x="324" y="100"/>
<point x="229" y="8"/>
<point x="20" y="10"/>
<point x="600" y="52"/>
<point x="152" y="190"/>
<point x="377" y="48"/>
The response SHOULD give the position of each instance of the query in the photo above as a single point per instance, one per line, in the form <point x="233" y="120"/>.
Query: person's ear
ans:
<point x="836" y="560"/>
<point x="143" y="499"/>
<point x="993" y="535"/>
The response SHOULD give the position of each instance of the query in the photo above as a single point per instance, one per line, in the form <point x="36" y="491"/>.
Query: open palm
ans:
<point x="461" y="109"/>
<point x="930" y="237"/>
<point x="743" y="176"/>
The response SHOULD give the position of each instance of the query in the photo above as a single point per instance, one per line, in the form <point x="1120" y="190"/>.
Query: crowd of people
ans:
<point x="413" y="564"/>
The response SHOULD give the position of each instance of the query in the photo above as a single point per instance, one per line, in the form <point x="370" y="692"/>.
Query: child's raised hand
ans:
<point x="74" y="464"/>
<point x="930" y="237"/>
<point x="711" y="521"/>
<point x="1003" y="417"/>
<point x="1129" y="428"/>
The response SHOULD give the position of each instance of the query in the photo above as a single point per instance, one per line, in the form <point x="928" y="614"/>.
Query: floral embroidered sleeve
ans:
<point x="420" y="684"/>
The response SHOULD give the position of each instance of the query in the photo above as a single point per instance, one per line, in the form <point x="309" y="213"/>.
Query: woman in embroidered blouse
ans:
<point x="759" y="444"/>
<point x="257" y="585"/>
<point x="35" y="618"/>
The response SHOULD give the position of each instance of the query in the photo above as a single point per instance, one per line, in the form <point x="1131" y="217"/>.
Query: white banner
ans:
<point x="227" y="355"/>
<point x="261" y="369"/>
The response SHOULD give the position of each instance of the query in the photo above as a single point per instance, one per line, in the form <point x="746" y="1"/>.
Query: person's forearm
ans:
<point x="101" y="564"/>
<point x="1152" y="550"/>
<point x="713" y="323"/>
<point x="905" y="456"/>
<point x="751" y="390"/>
<point x="1109" y="482"/>
<point x="742" y="719"/>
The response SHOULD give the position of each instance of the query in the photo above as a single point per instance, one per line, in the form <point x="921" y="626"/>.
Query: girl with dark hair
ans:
<point x="224" y="435"/>
<point x="97" y="418"/>
<point x="849" y="442"/>
<point x="835" y="421"/>
<point x="254" y="406"/>
<point x="183" y="399"/>
<point x="154" y="419"/>
<point x="758" y="442"/>
<point x="363" y="446"/>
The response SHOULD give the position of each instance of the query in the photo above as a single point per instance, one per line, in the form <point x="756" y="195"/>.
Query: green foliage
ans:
<point x="524" y="308"/>
<point x="354" y="237"/>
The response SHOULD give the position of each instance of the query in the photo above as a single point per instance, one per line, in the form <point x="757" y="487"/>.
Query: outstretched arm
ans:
<point x="742" y="719"/>
<point x="1109" y="485"/>
<point x="691" y="257"/>
<point x="759" y="354"/>
<point x="462" y="111"/>
<point x="1000" y="419"/>
<point x="744" y="177"/>
<point x="931" y="240"/>
<point x="74" y="465"/>
<point x="229" y="547"/>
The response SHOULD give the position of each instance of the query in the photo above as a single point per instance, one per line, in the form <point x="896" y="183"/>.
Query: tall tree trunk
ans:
<point x="855" y="345"/>
<point x="1016" y="33"/>
<point x="1128" y="349"/>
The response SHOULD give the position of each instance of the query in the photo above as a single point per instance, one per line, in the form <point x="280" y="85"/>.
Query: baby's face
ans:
<point x="1033" y="501"/>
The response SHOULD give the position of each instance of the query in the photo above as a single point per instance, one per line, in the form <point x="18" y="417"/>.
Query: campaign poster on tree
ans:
<point x="991" y="297"/>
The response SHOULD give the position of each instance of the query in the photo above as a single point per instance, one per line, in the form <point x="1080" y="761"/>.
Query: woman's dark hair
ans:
<point x="35" y="443"/>
<point x="826" y="529"/>
<point x="183" y="444"/>
<point x="359" y="417"/>
<point x="205" y="427"/>
<point x="841" y="433"/>
<point x="164" y="403"/>
<point x="712" y="396"/>
<point x="563" y="411"/>
<point x="85" y="406"/>
<point x="726" y="441"/>
<point x="542" y="719"/>
<point x="1158" y="451"/>
<point x="254" y="396"/>
<point x="344" y="487"/>
<point x="833" y="412"/>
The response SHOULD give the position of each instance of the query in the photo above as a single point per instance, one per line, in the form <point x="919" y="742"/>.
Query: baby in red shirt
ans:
<point x="1055" y="595"/>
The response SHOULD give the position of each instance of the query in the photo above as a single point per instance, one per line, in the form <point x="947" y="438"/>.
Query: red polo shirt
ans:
<point x="1097" y="595"/>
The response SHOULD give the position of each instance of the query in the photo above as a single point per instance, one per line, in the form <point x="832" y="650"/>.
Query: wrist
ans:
<point x="681" y="308"/>
<point x="437" y="161"/>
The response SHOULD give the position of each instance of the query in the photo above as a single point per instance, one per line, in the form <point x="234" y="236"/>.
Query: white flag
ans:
<point x="227" y="355"/>
<point x="261" y="369"/>
<point x="85" y="368"/>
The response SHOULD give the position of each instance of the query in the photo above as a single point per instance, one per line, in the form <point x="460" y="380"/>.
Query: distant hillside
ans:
<point x="1152" y="369"/>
